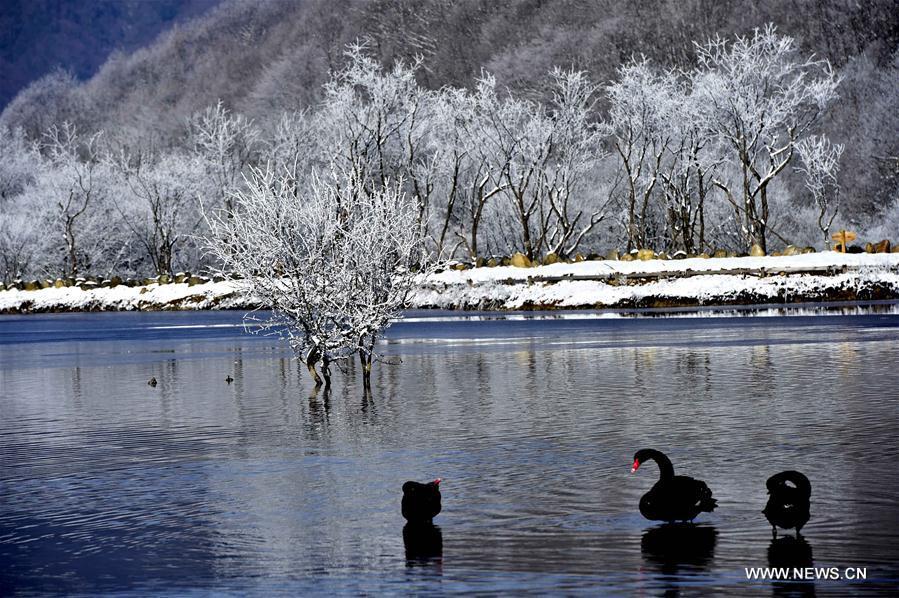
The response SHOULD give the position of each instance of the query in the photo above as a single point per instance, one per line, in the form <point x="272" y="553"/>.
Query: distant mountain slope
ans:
<point x="37" y="36"/>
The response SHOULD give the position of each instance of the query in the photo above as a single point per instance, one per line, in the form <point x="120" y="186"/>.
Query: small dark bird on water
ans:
<point x="152" y="381"/>
<point x="229" y="379"/>
<point x="421" y="502"/>
<point x="788" y="501"/>
<point x="673" y="497"/>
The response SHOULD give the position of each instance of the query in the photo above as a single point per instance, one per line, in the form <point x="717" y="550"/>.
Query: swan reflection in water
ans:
<point x="673" y="545"/>
<point x="424" y="544"/>
<point x="791" y="552"/>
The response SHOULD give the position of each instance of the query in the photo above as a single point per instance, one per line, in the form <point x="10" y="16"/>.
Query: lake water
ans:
<point x="263" y="486"/>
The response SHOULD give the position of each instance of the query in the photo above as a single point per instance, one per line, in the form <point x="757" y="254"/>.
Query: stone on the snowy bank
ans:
<point x="550" y="258"/>
<point x="855" y="249"/>
<point x="88" y="285"/>
<point x="218" y="278"/>
<point x="195" y="280"/>
<point x="662" y="256"/>
<point x="791" y="250"/>
<point x="679" y="254"/>
<point x="164" y="279"/>
<point x="720" y="253"/>
<point x="627" y="257"/>
<point x="181" y="277"/>
<point x="115" y="281"/>
<point x="612" y="255"/>
<point x="479" y="262"/>
<point x="32" y="285"/>
<point x="459" y="266"/>
<point x="46" y="284"/>
<point x="703" y="256"/>
<point x="645" y="254"/>
<point x="869" y="247"/>
<point x="756" y="250"/>
<point x="882" y="247"/>
<point x="808" y="249"/>
<point x="491" y="263"/>
<point x="59" y="283"/>
<point x="895" y="249"/>
<point x="579" y="257"/>
<point x="519" y="260"/>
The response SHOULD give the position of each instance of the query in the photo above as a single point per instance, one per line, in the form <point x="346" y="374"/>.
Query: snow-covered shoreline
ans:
<point x="825" y="276"/>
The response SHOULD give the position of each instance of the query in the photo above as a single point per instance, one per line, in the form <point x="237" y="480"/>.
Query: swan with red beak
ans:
<point x="673" y="497"/>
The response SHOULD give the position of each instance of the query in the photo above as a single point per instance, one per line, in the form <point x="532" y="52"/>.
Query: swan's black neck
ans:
<point x="666" y="469"/>
<point x="778" y="482"/>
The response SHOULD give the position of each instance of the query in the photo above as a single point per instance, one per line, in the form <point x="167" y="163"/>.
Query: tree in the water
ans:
<point x="333" y="259"/>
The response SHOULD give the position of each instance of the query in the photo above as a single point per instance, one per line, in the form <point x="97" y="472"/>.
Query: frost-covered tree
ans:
<point x="464" y="165"/>
<point x="20" y="162"/>
<point x="761" y="98"/>
<point x="227" y="142"/>
<point x="334" y="264"/>
<point x="374" y="124"/>
<point x="576" y="200"/>
<point x="73" y="189"/>
<point x="542" y="156"/>
<point x="643" y="117"/>
<point x="820" y="164"/>
<point x="161" y="205"/>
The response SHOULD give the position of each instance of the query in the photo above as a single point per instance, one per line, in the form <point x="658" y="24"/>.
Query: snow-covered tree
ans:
<point x="374" y="123"/>
<point x="541" y="156"/>
<point x="161" y="206"/>
<point x="642" y="117"/>
<point x="73" y="188"/>
<point x="820" y="163"/>
<point x="227" y="142"/>
<point x="577" y="203"/>
<point x="20" y="162"/>
<point x="334" y="264"/>
<point x="761" y="98"/>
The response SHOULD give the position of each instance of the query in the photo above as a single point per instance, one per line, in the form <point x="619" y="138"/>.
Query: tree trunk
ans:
<point x="311" y="359"/>
<point x="326" y="371"/>
<point x="365" y="360"/>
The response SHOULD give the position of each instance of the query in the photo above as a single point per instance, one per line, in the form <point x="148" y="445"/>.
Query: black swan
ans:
<point x="788" y="501"/>
<point x="674" y="497"/>
<point x="421" y="502"/>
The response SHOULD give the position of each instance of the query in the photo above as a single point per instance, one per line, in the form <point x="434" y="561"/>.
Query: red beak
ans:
<point x="437" y="481"/>
<point x="635" y="466"/>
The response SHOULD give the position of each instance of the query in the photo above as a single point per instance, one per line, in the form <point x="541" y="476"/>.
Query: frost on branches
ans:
<point x="334" y="260"/>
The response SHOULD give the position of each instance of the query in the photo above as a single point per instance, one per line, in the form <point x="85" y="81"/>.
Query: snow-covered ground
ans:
<point x="616" y="284"/>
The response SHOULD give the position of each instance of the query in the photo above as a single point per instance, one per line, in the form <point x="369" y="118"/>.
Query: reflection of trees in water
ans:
<point x="696" y="370"/>
<point x="77" y="394"/>
<point x="319" y="414"/>
<point x="790" y="552"/>
<point x="762" y="372"/>
<point x="673" y="548"/>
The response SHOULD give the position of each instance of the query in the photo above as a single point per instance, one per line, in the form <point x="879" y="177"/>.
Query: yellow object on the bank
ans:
<point x="843" y="237"/>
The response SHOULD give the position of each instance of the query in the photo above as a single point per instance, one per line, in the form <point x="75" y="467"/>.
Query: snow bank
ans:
<point x="836" y="276"/>
<point x="153" y="297"/>
<point x="827" y="259"/>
